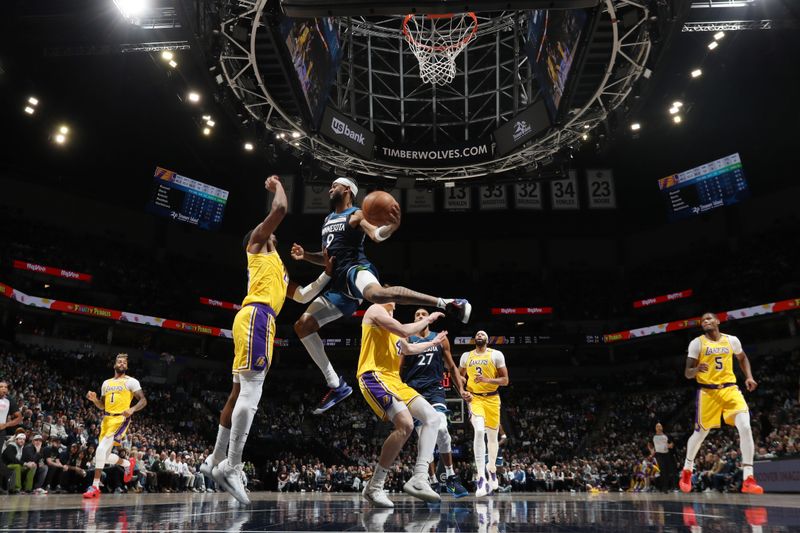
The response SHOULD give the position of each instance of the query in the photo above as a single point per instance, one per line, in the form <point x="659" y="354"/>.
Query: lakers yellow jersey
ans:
<point x="379" y="350"/>
<point x="480" y="365"/>
<point x="266" y="280"/>
<point x="118" y="394"/>
<point x="718" y="355"/>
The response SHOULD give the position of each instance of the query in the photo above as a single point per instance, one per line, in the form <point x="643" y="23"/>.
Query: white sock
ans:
<point x="379" y="476"/>
<point x="449" y="470"/>
<point x="243" y="413"/>
<point x="316" y="350"/>
<point x="693" y="446"/>
<point x="422" y="411"/>
<point x="96" y="483"/>
<point x="492" y="446"/>
<point x="221" y="447"/>
<point x="479" y="446"/>
<point x="742" y="422"/>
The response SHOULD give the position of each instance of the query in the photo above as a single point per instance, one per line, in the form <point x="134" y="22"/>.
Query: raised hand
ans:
<point x="433" y="317"/>
<point x="393" y="216"/>
<point x="440" y="337"/>
<point x="272" y="182"/>
<point x="91" y="396"/>
<point x="297" y="252"/>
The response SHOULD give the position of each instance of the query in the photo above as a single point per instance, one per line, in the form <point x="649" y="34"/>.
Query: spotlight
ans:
<point x="166" y="55"/>
<point x="636" y="126"/>
<point x="63" y="130"/>
<point x="61" y="138"/>
<point x="29" y="110"/>
<point x="677" y="103"/>
<point x="696" y="73"/>
<point x="211" y="123"/>
<point x="131" y="9"/>
<point x="712" y="45"/>
<point x="673" y="110"/>
<point x="282" y="135"/>
<point x="248" y="147"/>
<point x="206" y="131"/>
<point x="172" y="63"/>
<point x="719" y="35"/>
<point x="194" y="97"/>
<point x="277" y="135"/>
<point x="586" y="126"/>
<point x="677" y="119"/>
<point x="33" y="101"/>
<point x="295" y="135"/>
<point x="296" y="144"/>
<point x="206" y="117"/>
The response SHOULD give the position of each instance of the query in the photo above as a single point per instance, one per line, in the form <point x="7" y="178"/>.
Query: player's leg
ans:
<point x="704" y="420"/>
<point x="220" y="451"/>
<point x="104" y="446"/>
<point x="479" y="445"/>
<point x="444" y="445"/>
<point x="737" y="413"/>
<point x="492" y="420"/>
<point x="365" y="283"/>
<point x="321" y="311"/>
<point x="421" y="410"/>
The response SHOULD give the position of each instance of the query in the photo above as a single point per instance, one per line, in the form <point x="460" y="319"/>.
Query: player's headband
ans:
<point x="347" y="182"/>
<point x="481" y="331"/>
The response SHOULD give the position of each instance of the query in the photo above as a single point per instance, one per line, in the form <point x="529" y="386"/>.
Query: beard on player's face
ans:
<point x="337" y="199"/>
<point x="480" y="342"/>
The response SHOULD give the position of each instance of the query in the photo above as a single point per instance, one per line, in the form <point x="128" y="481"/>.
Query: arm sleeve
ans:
<point x="694" y="349"/>
<point x="498" y="359"/>
<point x="133" y="385"/>
<point x="736" y="344"/>
<point x="103" y="389"/>
<point x="463" y="362"/>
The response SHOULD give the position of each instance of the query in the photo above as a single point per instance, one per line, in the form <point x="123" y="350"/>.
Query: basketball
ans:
<point x="377" y="206"/>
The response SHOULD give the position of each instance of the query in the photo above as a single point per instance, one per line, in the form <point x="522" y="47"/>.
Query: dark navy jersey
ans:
<point x="343" y="242"/>
<point x="425" y="369"/>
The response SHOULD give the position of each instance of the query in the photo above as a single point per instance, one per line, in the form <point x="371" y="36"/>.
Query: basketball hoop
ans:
<point x="436" y="41"/>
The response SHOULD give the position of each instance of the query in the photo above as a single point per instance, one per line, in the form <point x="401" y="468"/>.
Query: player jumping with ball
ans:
<point x="354" y="279"/>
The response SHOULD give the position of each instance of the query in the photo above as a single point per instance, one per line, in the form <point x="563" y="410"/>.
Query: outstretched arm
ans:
<point x="298" y="254"/>
<point x="379" y="316"/>
<point x="309" y="292"/>
<point x="410" y="348"/>
<point x="377" y="234"/>
<point x="280" y="206"/>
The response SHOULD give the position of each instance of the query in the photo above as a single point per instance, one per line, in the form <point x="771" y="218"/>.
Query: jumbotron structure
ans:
<point x="378" y="85"/>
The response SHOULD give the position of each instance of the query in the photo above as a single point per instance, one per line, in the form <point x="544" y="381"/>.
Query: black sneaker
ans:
<point x="460" y="309"/>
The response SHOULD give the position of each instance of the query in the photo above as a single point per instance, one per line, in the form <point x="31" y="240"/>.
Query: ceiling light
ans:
<point x="131" y="9"/>
<point x="33" y="101"/>
<point x="673" y="110"/>
<point x="206" y="117"/>
<point x="585" y="137"/>
<point x="283" y="135"/>
<point x="248" y="147"/>
<point x="712" y="45"/>
<point x="63" y="129"/>
<point x="296" y="144"/>
<point x="677" y="119"/>
<point x="61" y="138"/>
<point x="636" y="126"/>
<point x="295" y="135"/>
<point x="277" y="135"/>
<point x="172" y="63"/>
<point x="166" y="55"/>
<point x="586" y="126"/>
<point x="211" y="123"/>
<point x="677" y="103"/>
<point x="719" y="35"/>
<point x="194" y="97"/>
<point x="29" y="110"/>
<point x="206" y="131"/>
<point x="696" y="73"/>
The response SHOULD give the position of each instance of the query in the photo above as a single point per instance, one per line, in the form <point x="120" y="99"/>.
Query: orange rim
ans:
<point x="462" y="42"/>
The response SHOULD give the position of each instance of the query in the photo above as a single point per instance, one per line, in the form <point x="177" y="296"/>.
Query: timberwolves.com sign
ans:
<point x="348" y="133"/>
<point x="447" y="155"/>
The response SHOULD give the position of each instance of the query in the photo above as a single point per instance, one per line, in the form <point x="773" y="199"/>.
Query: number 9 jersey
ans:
<point x="718" y="355"/>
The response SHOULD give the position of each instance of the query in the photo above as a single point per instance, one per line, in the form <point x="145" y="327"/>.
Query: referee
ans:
<point x="662" y="446"/>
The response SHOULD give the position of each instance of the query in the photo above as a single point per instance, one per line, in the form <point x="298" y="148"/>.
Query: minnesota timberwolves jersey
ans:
<point x="423" y="370"/>
<point x="343" y="242"/>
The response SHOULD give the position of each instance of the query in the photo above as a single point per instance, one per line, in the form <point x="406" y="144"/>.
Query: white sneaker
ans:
<point x="483" y="488"/>
<point x="207" y="466"/>
<point x="419" y="487"/>
<point x="377" y="496"/>
<point x="232" y="476"/>
<point x="493" y="483"/>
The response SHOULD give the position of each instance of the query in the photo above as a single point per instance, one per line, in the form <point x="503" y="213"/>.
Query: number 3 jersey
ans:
<point x="482" y="364"/>
<point x="426" y="369"/>
<point x="718" y="355"/>
<point x="118" y="393"/>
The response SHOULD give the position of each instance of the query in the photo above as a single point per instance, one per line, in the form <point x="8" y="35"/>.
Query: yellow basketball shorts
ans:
<point x="116" y="426"/>
<point x="253" y="335"/>
<point x="713" y="404"/>
<point x="487" y="407"/>
<point x="382" y="390"/>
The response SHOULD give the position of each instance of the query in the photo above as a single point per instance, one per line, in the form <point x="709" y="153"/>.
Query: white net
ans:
<point x="436" y="41"/>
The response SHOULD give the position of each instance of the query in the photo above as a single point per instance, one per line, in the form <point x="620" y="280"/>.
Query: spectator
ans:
<point x="12" y="459"/>
<point x="33" y="461"/>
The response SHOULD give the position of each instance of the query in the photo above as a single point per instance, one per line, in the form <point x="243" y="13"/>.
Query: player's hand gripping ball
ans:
<point x="380" y="208"/>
